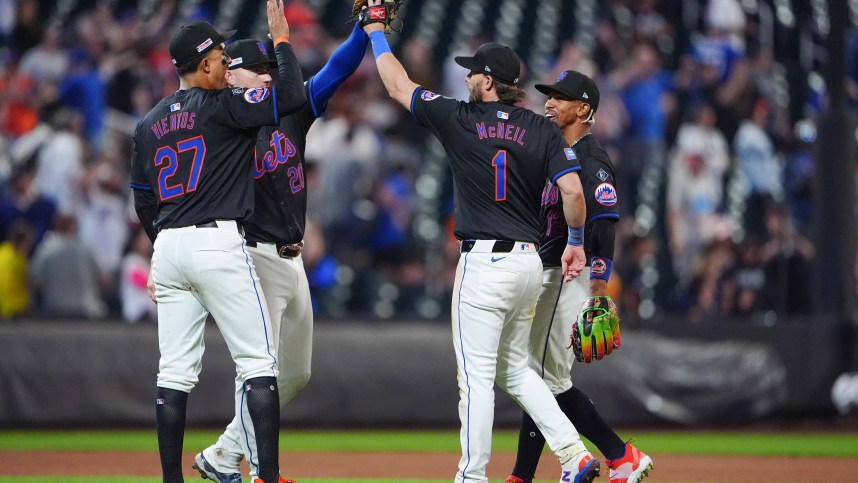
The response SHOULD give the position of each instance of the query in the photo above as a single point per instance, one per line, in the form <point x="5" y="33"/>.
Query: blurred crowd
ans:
<point x="711" y="134"/>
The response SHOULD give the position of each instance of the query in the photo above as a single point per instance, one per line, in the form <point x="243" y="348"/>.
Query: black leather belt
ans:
<point x="500" y="246"/>
<point x="284" y="250"/>
<point x="213" y="224"/>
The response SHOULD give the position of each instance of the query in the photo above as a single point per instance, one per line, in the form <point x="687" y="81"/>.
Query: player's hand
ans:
<point x="572" y="262"/>
<point x="277" y="25"/>
<point x="150" y="287"/>
<point x="372" y="27"/>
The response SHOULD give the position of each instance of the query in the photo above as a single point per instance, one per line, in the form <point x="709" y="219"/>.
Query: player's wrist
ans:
<point x="576" y="236"/>
<point x="600" y="268"/>
<point x="379" y="43"/>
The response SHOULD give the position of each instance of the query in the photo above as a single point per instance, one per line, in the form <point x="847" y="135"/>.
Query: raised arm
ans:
<point x="343" y="62"/>
<point x="289" y="90"/>
<point x="393" y="75"/>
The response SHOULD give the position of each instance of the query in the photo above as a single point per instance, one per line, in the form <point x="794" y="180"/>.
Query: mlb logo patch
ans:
<point x="256" y="95"/>
<point x="203" y="46"/>
<point x="236" y="61"/>
<point x="570" y="153"/>
<point x="606" y="194"/>
<point x="503" y="115"/>
<point x="175" y="107"/>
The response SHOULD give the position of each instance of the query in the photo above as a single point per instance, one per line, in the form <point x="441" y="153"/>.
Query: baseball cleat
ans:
<point x="582" y="468"/>
<point x="280" y="479"/>
<point x="207" y="471"/>
<point x="514" y="479"/>
<point x="633" y="467"/>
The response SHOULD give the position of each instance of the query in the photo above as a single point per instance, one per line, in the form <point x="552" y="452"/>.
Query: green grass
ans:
<point x="654" y="442"/>
<point x="119" y="479"/>
<point x="710" y="443"/>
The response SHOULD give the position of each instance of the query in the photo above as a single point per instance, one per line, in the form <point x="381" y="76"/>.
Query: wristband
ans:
<point x="576" y="236"/>
<point x="280" y="40"/>
<point x="379" y="43"/>
<point x="600" y="268"/>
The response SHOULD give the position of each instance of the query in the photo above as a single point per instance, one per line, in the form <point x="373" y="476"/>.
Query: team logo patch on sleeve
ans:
<point x="503" y="115"/>
<point x="256" y="95"/>
<point x="429" y="96"/>
<point x="606" y="194"/>
<point x="598" y="267"/>
<point x="570" y="153"/>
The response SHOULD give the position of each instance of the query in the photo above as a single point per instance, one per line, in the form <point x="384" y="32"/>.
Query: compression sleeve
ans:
<point x="601" y="238"/>
<point x="289" y="96"/>
<point x="146" y="207"/>
<point x="343" y="62"/>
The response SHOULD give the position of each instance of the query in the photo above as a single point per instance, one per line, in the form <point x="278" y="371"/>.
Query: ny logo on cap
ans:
<point x="562" y="76"/>
<point x="261" y="47"/>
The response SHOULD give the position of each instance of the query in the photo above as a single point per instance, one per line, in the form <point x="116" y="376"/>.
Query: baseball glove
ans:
<point x="378" y="11"/>
<point x="596" y="333"/>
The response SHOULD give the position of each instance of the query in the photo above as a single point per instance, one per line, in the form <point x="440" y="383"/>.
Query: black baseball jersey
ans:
<point x="600" y="193"/>
<point x="192" y="152"/>
<point x="500" y="156"/>
<point x="281" y="194"/>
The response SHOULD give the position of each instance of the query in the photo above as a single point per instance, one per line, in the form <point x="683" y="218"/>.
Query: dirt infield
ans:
<point x="392" y="467"/>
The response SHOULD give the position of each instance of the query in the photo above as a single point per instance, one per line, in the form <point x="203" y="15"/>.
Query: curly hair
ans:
<point x="508" y="94"/>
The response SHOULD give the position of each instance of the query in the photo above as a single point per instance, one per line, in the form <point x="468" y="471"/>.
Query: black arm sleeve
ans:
<point x="146" y="207"/>
<point x="290" y="84"/>
<point x="602" y="238"/>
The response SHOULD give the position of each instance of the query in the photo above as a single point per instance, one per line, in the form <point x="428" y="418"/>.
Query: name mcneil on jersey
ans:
<point x="174" y="122"/>
<point x="506" y="131"/>
<point x="283" y="149"/>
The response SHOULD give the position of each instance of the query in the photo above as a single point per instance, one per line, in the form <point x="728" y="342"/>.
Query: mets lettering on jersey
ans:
<point x="283" y="149"/>
<point x="550" y="194"/>
<point x="506" y="131"/>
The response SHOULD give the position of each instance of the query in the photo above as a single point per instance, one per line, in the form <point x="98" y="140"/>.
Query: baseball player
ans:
<point x="192" y="176"/>
<point x="500" y="156"/>
<point x="275" y="237"/>
<point x="572" y="103"/>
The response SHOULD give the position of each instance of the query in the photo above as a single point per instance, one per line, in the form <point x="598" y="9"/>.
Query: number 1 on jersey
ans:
<point x="499" y="163"/>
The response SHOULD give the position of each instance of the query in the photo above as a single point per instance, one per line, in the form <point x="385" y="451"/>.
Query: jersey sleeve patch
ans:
<point x="606" y="194"/>
<point x="256" y="95"/>
<point x="429" y="96"/>
<point x="570" y="153"/>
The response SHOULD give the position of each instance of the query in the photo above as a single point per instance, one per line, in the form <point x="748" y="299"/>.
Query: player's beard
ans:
<point x="476" y="95"/>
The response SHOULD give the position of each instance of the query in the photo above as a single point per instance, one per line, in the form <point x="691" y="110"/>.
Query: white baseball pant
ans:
<point x="494" y="298"/>
<point x="198" y="271"/>
<point x="287" y="292"/>
<point x="557" y="309"/>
